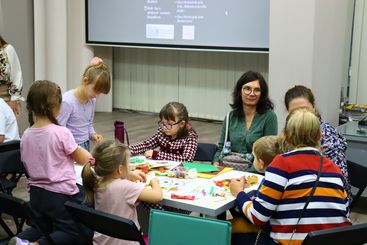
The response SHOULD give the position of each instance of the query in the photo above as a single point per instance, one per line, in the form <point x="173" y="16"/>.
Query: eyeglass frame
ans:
<point x="256" y="91"/>
<point x="167" y="126"/>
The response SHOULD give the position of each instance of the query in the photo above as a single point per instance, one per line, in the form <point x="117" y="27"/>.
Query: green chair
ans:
<point x="166" y="228"/>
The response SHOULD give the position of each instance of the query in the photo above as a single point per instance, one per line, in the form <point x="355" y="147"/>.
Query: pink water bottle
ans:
<point x="119" y="131"/>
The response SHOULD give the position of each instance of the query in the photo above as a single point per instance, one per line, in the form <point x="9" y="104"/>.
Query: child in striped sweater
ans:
<point x="288" y="182"/>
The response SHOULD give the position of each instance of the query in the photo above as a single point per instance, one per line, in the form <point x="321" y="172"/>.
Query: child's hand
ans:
<point x="236" y="186"/>
<point x="216" y="164"/>
<point x="154" y="182"/>
<point x="137" y="175"/>
<point x="148" y="154"/>
<point x="96" y="138"/>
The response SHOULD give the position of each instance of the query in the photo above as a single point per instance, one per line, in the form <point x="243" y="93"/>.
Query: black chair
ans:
<point x="21" y="211"/>
<point x="10" y="165"/>
<point x="357" y="177"/>
<point x="105" y="223"/>
<point x="205" y="152"/>
<point x="351" y="235"/>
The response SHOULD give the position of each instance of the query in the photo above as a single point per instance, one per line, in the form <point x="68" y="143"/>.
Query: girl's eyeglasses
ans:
<point x="248" y="90"/>
<point x="167" y="125"/>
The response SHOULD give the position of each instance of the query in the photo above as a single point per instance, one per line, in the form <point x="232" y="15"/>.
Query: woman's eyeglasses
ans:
<point x="248" y="90"/>
<point x="167" y="125"/>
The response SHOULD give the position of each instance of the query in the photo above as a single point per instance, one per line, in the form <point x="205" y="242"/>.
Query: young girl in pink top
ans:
<point x="48" y="152"/>
<point x="109" y="186"/>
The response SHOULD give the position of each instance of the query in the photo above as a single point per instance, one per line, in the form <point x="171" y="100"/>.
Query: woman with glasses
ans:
<point x="251" y="118"/>
<point x="175" y="138"/>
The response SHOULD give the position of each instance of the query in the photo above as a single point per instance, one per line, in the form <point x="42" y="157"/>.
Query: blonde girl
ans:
<point x="110" y="186"/>
<point x="78" y="105"/>
<point x="288" y="182"/>
<point x="175" y="138"/>
<point x="48" y="152"/>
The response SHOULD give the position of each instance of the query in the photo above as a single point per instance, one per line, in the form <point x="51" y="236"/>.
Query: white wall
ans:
<point x="309" y="45"/>
<point x="358" y="76"/>
<point x="60" y="51"/>
<point x="16" y="27"/>
<point x="146" y="79"/>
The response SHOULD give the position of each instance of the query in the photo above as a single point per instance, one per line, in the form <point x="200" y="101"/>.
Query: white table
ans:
<point x="208" y="206"/>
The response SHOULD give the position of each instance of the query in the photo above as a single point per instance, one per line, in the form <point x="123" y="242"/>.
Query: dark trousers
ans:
<point x="52" y="215"/>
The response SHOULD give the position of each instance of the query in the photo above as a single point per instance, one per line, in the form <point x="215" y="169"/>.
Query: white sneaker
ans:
<point x="17" y="241"/>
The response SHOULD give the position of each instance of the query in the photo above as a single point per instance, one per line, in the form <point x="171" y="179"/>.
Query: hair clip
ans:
<point x="96" y="60"/>
<point x="92" y="161"/>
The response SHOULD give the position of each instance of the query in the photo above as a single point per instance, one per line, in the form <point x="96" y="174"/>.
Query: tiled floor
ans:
<point x="142" y="125"/>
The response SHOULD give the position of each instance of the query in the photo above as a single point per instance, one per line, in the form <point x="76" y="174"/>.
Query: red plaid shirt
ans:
<point x="179" y="149"/>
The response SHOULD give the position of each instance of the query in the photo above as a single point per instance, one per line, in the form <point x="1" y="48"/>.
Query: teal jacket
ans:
<point x="243" y="139"/>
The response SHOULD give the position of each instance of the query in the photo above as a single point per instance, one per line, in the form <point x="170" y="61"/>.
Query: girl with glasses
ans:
<point x="175" y="138"/>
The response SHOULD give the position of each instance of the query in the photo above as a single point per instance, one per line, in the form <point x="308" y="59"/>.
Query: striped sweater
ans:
<point x="287" y="184"/>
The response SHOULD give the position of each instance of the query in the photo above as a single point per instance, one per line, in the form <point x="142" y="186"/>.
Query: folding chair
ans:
<point x="21" y="211"/>
<point x="205" y="152"/>
<point x="10" y="163"/>
<point x="166" y="228"/>
<point x="354" y="234"/>
<point x="357" y="176"/>
<point x="105" y="223"/>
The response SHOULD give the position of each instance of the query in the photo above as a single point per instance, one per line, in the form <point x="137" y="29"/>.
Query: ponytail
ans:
<point x="90" y="183"/>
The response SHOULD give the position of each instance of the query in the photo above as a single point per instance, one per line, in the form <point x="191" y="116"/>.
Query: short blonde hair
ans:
<point x="266" y="148"/>
<point x="302" y="128"/>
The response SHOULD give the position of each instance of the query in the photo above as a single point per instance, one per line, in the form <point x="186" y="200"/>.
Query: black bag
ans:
<point x="234" y="160"/>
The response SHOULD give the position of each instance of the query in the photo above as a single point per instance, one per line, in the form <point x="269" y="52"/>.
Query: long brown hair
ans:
<point x="44" y="97"/>
<point x="264" y="103"/>
<point x="108" y="156"/>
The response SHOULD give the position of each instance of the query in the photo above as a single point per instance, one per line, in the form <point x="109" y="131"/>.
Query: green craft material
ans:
<point x="200" y="167"/>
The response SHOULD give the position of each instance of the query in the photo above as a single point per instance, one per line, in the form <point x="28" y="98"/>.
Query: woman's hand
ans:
<point x="148" y="154"/>
<point x="237" y="185"/>
<point x="137" y="175"/>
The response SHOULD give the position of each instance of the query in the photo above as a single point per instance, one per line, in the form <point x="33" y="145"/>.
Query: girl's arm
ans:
<point x="148" y="144"/>
<point x="81" y="156"/>
<point x="152" y="195"/>
<point x="91" y="132"/>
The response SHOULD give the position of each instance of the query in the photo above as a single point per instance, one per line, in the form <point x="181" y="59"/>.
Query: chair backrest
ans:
<point x="20" y="209"/>
<point x="166" y="228"/>
<point x="10" y="161"/>
<point x="105" y="223"/>
<point x="354" y="234"/>
<point x="357" y="177"/>
<point x="205" y="152"/>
